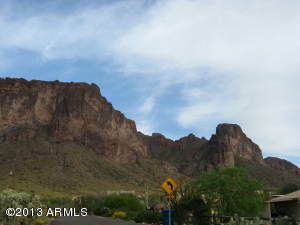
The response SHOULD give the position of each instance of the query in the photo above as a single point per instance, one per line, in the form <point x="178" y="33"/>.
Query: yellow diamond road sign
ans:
<point x="169" y="186"/>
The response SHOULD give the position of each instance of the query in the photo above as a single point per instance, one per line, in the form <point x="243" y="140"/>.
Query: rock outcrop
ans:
<point x="67" y="112"/>
<point x="192" y="154"/>
<point x="282" y="165"/>
<point x="230" y="142"/>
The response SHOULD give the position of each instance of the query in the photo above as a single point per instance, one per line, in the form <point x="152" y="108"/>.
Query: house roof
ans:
<point x="288" y="197"/>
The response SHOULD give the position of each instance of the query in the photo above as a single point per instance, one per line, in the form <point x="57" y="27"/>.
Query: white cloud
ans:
<point x="85" y="33"/>
<point x="145" y="126"/>
<point x="147" y="106"/>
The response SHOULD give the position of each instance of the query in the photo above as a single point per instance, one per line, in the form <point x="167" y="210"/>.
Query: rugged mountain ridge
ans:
<point x="230" y="141"/>
<point x="52" y="133"/>
<point x="229" y="146"/>
<point x="68" y="112"/>
<point x="282" y="165"/>
<point x="193" y="155"/>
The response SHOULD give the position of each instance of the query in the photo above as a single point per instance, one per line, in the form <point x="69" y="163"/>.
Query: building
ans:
<point x="286" y="205"/>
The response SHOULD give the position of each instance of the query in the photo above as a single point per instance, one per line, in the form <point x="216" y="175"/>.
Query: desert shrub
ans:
<point x="39" y="221"/>
<point x="153" y="199"/>
<point x="122" y="206"/>
<point x="123" y="202"/>
<point x="12" y="199"/>
<point x="191" y="203"/>
<point x="243" y="221"/>
<point x="147" y="216"/>
<point x="284" y="221"/>
<point x="91" y="202"/>
<point x="109" y="204"/>
<point x="119" y="214"/>
<point x="64" y="202"/>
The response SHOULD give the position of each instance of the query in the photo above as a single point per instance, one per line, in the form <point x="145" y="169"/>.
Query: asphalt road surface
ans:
<point x="89" y="220"/>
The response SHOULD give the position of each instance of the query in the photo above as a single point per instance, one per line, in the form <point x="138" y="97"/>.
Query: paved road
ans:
<point x="89" y="220"/>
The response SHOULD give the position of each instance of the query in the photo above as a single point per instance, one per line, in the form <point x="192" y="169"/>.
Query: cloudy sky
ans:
<point x="174" y="66"/>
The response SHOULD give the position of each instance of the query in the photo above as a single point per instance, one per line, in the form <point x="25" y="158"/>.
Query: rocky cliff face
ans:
<point x="230" y="142"/>
<point x="67" y="112"/>
<point x="193" y="155"/>
<point x="185" y="147"/>
<point x="282" y="165"/>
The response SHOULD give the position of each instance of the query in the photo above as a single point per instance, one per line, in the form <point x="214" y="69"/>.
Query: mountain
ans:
<point x="73" y="112"/>
<point x="58" y="137"/>
<point x="193" y="155"/>
<point x="228" y="147"/>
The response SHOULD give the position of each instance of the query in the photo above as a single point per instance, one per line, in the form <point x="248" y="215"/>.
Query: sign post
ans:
<point x="169" y="185"/>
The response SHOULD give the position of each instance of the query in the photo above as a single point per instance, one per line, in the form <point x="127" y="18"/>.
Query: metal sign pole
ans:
<point x="169" y="211"/>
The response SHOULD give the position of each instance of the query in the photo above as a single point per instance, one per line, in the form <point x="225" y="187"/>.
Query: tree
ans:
<point x="190" y="206"/>
<point x="231" y="191"/>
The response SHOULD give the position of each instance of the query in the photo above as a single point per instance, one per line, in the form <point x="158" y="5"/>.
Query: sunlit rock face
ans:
<point x="67" y="112"/>
<point x="230" y="142"/>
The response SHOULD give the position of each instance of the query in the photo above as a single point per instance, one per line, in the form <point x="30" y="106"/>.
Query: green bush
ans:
<point x="123" y="202"/>
<point x="153" y="199"/>
<point x="12" y="199"/>
<point x="59" y="202"/>
<point x="283" y="221"/>
<point x="243" y="221"/>
<point x="107" y="205"/>
<point x="132" y="208"/>
<point x="148" y="217"/>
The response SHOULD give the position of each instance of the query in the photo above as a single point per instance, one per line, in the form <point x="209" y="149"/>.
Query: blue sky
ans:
<point x="174" y="66"/>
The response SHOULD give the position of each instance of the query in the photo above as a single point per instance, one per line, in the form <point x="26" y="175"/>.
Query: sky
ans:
<point x="174" y="66"/>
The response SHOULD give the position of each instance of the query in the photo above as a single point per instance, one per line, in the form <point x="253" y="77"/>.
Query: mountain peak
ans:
<point x="230" y="142"/>
<point x="188" y="139"/>
<point x="232" y="130"/>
